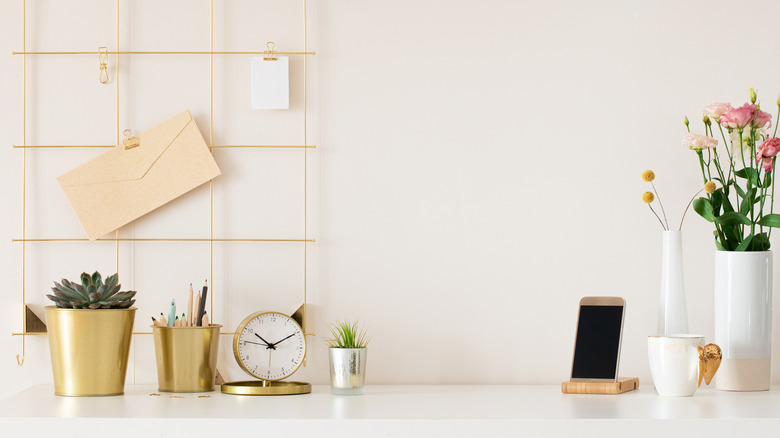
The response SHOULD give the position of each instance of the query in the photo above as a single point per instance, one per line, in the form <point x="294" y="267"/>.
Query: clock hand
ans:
<point x="277" y="342"/>
<point x="267" y="344"/>
<point x="256" y="343"/>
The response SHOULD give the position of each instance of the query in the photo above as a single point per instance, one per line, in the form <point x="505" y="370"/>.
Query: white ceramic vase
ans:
<point x="743" y="319"/>
<point x="673" y="310"/>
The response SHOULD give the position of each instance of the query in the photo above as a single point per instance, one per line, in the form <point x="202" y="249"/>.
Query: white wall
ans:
<point x="477" y="171"/>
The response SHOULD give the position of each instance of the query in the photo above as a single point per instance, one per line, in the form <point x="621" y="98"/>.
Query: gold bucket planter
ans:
<point x="89" y="349"/>
<point x="186" y="357"/>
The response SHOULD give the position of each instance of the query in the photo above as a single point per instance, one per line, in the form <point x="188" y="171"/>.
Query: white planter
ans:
<point x="743" y="319"/>
<point x="672" y="311"/>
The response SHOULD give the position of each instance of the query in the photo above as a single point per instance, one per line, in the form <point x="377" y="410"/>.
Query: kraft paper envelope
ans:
<point x="124" y="184"/>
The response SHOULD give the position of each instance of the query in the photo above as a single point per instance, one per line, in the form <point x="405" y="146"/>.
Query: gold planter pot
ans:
<point x="89" y="349"/>
<point x="186" y="357"/>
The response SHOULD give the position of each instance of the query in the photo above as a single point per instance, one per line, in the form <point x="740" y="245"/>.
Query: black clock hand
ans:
<point x="277" y="342"/>
<point x="267" y="344"/>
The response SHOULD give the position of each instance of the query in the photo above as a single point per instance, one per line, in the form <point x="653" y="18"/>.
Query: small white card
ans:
<point x="270" y="83"/>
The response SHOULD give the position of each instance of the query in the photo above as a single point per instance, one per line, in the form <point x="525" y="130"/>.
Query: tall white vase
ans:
<point x="673" y="311"/>
<point x="743" y="319"/>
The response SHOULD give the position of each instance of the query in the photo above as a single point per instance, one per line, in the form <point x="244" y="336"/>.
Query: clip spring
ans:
<point x="130" y="141"/>
<point x="103" y="58"/>
<point x="270" y="52"/>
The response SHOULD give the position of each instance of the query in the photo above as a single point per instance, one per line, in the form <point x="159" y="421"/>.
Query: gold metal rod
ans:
<point x="164" y="53"/>
<point x="62" y="146"/>
<point x="24" y="181"/>
<point x="264" y="146"/>
<point x="137" y="333"/>
<point x="116" y="63"/>
<point x="211" y="141"/>
<point x="141" y="239"/>
<point x="222" y="146"/>
<point x="305" y="182"/>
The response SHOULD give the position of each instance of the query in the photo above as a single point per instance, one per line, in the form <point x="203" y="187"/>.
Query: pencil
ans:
<point x="162" y="320"/>
<point x="189" y="304"/>
<point x="205" y="319"/>
<point x="183" y="320"/>
<point x="154" y="321"/>
<point x="202" y="308"/>
<point x="197" y="306"/>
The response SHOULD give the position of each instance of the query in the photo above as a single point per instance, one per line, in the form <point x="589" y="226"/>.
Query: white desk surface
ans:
<point x="403" y="411"/>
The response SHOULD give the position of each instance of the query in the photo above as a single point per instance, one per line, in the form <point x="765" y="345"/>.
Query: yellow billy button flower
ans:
<point x="648" y="197"/>
<point x="648" y="175"/>
<point x="709" y="187"/>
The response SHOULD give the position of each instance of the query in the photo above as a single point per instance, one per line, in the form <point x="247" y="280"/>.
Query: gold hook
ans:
<point x="270" y="52"/>
<point x="103" y="58"/>
<point x="19" y="362"/>
<point x="130" y="141"/>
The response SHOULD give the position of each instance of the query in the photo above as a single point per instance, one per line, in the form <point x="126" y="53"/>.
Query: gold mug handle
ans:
<point x="710" y="357"/>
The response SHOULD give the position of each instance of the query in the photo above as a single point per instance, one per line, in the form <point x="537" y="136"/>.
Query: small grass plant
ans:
<point x="346" y="334"/>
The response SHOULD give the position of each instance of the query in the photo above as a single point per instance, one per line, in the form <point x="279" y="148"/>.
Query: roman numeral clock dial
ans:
<point x="269" y="346"/>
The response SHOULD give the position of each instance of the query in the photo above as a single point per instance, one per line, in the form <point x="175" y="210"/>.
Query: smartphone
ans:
<point x="597" y="344"/>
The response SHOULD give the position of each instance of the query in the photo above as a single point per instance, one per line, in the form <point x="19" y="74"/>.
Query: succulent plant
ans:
<point x="92" y="293"/>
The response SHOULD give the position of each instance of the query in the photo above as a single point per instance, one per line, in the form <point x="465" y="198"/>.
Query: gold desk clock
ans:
<point x="270" y="346"/>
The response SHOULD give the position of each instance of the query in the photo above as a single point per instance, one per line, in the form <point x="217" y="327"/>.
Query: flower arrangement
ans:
<point x="649" y="197"/>
<point x="738" y="208"/>
<point x="347" y="335"/>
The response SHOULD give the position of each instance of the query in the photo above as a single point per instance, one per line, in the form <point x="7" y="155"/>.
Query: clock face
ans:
<point x="269" y="345"/>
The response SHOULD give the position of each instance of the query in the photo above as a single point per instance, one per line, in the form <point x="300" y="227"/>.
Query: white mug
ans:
<point x="678" y="363"/>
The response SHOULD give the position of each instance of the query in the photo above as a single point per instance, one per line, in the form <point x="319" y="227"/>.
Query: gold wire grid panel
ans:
<point x="103" y="77"/>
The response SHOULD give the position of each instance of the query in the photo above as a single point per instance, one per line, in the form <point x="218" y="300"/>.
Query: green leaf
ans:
<point x="727" y="203"/>
<point x="745" y="243"/>
<point x="720" y="245"/>
<point x="732" y="218"/>
<point x="97" y="280"/>
<point x="717" y="201"/>
<point x="760" y="243"/>
<point x="86" y="280"/>
<point x="747" y="201"/>
<point x="770" y="220"/>
<point x="749" y="174"/>
<point x="740" y="192"/>
<point x="704" y="208"/>
<point x="767" y="181"/>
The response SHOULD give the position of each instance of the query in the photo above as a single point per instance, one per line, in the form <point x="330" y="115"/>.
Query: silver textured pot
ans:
<point x="347" y="370"/>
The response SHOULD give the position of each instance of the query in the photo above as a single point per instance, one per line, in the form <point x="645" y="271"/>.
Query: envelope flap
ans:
<point x="120" y="164"/>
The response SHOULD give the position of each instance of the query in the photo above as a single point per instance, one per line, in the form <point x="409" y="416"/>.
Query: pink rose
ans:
<point x="762" y="119"/>
<point x="738" y="117"/>
<point x="716" y="110"/>
<point x="767" y="164"/>
<point x="698" y="142"/>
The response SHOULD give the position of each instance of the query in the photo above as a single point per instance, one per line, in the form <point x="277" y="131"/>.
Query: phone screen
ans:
<point x="597" y="347"/>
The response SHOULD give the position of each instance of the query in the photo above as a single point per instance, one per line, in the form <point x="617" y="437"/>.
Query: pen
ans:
<point x="162" y="320"/>
<point x="172" y="314"/>
<point x="189" y="305"/>
<point x="202" y="308"/>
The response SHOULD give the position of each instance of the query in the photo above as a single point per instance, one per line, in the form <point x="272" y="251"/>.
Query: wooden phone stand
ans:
<point x="623" y="384"/>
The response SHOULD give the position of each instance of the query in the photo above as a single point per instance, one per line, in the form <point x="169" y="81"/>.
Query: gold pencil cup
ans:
<point x="89" y="349"/>
<point x="186" y="357"/>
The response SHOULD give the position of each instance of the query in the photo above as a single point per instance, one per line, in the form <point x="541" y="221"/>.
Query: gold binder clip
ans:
<point x="103" y="57"/>
<point x="130" y="141"/>
<point x="270" y="52"/>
